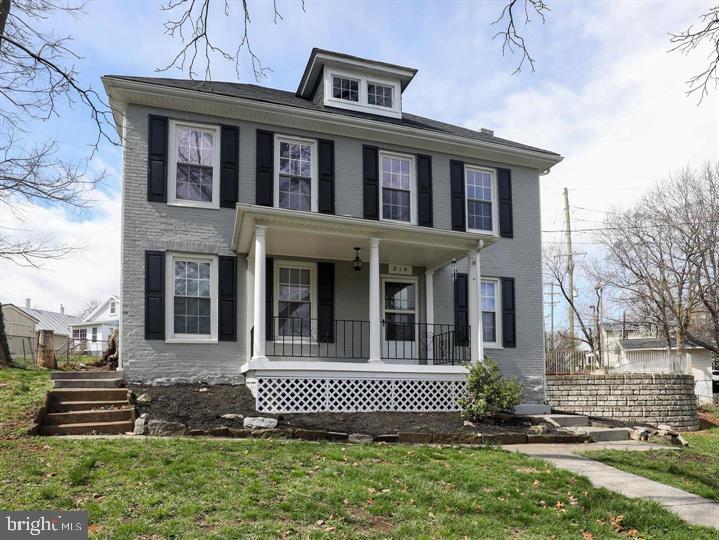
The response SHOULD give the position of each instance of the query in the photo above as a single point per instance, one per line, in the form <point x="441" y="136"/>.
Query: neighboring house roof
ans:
<point x="90" y="317"/>
<point x="283" y="97"/>
<point x="651" y="343"/>
<point x="51" y="320"/>
<point x="22" y="311"/>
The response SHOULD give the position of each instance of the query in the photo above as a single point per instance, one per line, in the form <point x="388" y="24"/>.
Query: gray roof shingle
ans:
<point x="284" y="97"/>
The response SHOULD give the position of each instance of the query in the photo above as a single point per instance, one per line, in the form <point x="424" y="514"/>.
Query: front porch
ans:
<point x="327" y="335"/>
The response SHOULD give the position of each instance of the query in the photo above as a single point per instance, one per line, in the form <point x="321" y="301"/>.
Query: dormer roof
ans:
<point x="321" y="57"/>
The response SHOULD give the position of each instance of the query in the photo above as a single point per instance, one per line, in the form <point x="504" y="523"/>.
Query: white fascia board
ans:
<point x="375" y="370"/>
<point x="123" y="92"/>
<point x="250" y="214"/>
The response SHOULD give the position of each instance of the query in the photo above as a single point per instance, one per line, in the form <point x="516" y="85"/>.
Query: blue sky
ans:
<point x="605" y="94"/>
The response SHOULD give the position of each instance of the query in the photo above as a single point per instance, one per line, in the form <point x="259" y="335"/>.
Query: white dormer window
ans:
<point x="363" y="92"/>
<point x="113" y="308"/>
<point x="345" y="88"/>
<point x="379" y="95"/>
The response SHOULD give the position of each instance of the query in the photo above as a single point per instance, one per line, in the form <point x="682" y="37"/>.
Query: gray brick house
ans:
<point x="323" y="246"/>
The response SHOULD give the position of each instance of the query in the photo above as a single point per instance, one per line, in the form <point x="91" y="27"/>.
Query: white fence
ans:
<point x="652" y="362"/>
<point x="577" y="362"/>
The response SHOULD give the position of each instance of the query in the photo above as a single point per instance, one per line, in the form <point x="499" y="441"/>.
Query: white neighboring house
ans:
<point x="634" y="350"/>
<point x="91" y="334"/>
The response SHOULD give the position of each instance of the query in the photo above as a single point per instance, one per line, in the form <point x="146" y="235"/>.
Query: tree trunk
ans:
<point x="45" y="351"/>
<point x="5" y="357"/>
<point x="4" y="12"/>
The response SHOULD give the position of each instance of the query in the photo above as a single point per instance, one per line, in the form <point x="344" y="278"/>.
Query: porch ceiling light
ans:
<point x="357" y="262"/>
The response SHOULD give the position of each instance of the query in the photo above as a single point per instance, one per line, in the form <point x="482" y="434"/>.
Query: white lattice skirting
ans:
<point x="321" y="394"/>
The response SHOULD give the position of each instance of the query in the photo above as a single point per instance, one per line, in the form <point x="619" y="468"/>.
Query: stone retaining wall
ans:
<point x="641" y="398"/>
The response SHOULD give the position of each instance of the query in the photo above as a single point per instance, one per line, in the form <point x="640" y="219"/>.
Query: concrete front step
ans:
<point x="89" y="394"/>
<point x="568" y="420"/>
<point x="85" y="374"/>
<point x="87" y="383"/>
<point x="66" y="406"/>
<point x="88" y="428"/>
<point x="601" y="434"/>
<point x="88" y="417"/>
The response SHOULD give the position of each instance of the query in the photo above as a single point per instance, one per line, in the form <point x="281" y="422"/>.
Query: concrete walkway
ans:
<point x="691" y="508"/>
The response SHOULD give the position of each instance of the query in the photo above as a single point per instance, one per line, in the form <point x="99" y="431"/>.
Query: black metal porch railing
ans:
<point x="423" y="342"/>
<point x="318" y="338"/>
<point x="341" y="339"/>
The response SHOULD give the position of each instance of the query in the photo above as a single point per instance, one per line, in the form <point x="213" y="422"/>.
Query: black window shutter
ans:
<point x="509" y="330"/>
<point x="504" y="194"/>
<point x="461" y="309"/>
<point x="424" y="190"/>
<point x="326" y="173"/>
<point x="325" y="302"/>
<point x="229" y="166"/>
<point x="269" y="299"/>
<point x="265" y="165"/>
<point x="227" y="298"/>
<point x="370" y="191"/>
<point x="456" y="180"/>
<point x="157" y="158"/>
<point x="154" y="295"/>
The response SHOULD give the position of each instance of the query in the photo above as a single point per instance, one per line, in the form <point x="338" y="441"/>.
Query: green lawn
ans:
<point x="193" y="488"/>
<point x="694" y="469"/>
<point x="21" y="393"/>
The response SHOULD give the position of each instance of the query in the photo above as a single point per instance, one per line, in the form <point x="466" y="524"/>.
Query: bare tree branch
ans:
<point x="693" y="38"/>
<point x="512" y="38"/>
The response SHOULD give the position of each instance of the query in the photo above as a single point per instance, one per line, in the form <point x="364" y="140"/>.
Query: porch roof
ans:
<point x="295" y="233"/>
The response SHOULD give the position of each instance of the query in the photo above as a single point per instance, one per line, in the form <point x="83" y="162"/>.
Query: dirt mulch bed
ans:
<point x="200" y="407"/>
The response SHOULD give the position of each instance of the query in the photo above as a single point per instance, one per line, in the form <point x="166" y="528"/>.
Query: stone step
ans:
<point x="88" y="428"/>
<point x="88" y="383"/>
<point x="85" y="374"/>
<point x="89" y="394"/>
<point x="88" y="417"/>
<point x="66" y="406"/>
<point x="568" y="420"/>
<point x="601" y="434"/>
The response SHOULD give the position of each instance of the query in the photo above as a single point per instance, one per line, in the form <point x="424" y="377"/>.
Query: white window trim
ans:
<point x="412" y="186"/>
<point x="313" y="169"/>
<point x="380" y="83"/>
<point x="113" y="307"/>
<point x="401" y="279"/>
<point x="312" y="267"/>
<point x="494" y="202"/>
<point x="349" y="78"/>
<point x="497" y="314"/>
<point x="170" y="336"/>
<point x="363" y="105"/>
<point x="172" y="166"/>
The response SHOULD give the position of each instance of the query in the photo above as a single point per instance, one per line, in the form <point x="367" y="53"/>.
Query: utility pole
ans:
<point x="551" y="303"/>
<point x="570" y="268"/>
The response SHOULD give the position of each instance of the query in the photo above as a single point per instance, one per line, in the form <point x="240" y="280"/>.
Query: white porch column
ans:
<point x="478" y="332"/>
<point x="375" y="328"/>
<point x="259" y="296"/>
<point x="429" y="297"/>
<point x="429" y="307"/>
<point x="472" y="306"/>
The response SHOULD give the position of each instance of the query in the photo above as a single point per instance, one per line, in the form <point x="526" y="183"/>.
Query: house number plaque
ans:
<point x="403" y="269"/>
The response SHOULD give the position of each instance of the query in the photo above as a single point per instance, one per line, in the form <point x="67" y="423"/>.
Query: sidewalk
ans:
<point x="691" y="508"/>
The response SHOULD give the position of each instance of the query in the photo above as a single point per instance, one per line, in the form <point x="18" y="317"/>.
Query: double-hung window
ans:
<point x="379" y="95"/>
<point x="296" y="177"/>
<point x="79" y="334"/>
<point x="194" y="165"/>
<point x="113" y="307"/>
<point x="480" y="199"/>
<point x="295" y="288"/>
<point x="345" y="88"/>
<point x="398" y="185"/>
<point x="490" y="308"/>
<point x="94" y="334"/>
<point x="192" y="304"/>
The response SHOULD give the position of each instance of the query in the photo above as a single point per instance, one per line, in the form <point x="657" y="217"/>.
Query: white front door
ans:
<point x="399" y="316"/>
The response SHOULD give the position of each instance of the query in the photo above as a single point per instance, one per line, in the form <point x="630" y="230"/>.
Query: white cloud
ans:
<point x="92" y="271"/>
